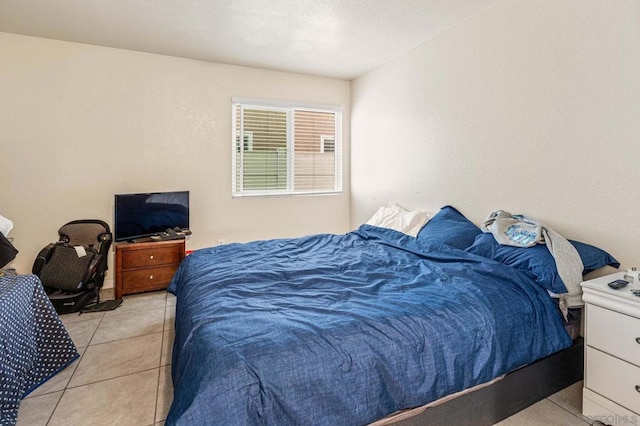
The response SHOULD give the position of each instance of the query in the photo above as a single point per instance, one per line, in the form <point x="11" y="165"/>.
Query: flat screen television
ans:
<point x="144" y="215"/>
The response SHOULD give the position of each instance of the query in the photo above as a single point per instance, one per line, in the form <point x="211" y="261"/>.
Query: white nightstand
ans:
<point x="611" y="391"/>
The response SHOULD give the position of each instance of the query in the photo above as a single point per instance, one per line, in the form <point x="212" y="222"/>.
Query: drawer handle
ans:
<point x="638" y="388"/>
<point x="151" y="257"/>
<point x="150" y="277"/>
<point x="638" y="340"/>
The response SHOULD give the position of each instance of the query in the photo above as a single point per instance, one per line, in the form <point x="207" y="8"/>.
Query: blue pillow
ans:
<point x="538" y="261"/>
<point x="449" y="227"/>
<point x="593" y="258"/>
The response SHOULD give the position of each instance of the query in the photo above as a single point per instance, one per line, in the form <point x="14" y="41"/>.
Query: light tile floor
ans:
<point x="563" y="408"/>
<point x="123" y="376"/>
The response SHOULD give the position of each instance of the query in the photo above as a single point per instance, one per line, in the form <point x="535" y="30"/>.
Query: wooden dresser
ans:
<point x="145" y="266"/>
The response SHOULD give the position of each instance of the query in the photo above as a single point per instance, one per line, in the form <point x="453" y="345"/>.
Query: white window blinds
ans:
<point x="286" y="149"/>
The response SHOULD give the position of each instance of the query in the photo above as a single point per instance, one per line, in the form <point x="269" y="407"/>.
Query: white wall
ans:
<point x="79" y="123"/>
<point x="528" y="106"/>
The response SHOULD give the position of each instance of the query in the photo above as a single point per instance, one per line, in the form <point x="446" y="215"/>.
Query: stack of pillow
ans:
<point x="452" y="228"/>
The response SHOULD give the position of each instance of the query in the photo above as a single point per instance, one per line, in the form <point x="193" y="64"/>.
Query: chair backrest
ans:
<point x="85" y="232"/>
<point x="90" y="233"/>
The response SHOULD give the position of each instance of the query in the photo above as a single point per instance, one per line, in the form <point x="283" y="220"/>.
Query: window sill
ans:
<point x="284" y="194"/>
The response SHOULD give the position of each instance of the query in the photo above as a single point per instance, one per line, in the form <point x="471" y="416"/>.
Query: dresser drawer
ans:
<point x="150" y="257"/>
<point x="615" y="333"/>
<point x="150" y="277"/>
<point x="614" y="379"/>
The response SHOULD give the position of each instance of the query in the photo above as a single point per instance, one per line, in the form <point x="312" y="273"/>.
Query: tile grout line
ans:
<point x="130" y="337"/>
<point x="126" y="338"/>
<point x="113" y="378"/>
<point x="164" y="320"/>
<point x="113" y="315"/>
<point x="92" y="336"/>
<point x="73" y="374"/>
<point x="56" y="407"/>
<point x="129" y="313"/>
<point x="121" y="375"/>
<point x="155" y="411"/>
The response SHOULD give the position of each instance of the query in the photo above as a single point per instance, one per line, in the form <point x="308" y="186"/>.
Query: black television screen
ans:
<point x="143" y="215"/>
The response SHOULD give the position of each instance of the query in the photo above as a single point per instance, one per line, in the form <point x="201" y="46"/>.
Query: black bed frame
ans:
<point x="516" y="391"/>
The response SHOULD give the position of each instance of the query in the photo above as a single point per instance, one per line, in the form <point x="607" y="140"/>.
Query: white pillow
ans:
<point x="5" y="225"/>
<point x="397" y="218"/>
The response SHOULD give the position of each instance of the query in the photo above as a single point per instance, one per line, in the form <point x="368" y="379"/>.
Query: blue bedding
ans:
<point x="34" y="345"/>
<point x="346" y="329"/>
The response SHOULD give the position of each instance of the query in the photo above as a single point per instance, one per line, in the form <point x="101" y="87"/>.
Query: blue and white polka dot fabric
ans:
<point x="34" y="345"/>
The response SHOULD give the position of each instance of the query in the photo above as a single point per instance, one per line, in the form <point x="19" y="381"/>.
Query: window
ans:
<point x="286" y="148"/>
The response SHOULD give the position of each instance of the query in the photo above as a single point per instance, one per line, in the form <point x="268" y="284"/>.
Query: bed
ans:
<point x="350" y="329"/>
<point x="34" y="345"/>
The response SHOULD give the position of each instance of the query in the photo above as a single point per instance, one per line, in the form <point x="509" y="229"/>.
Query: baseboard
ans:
<point x="107" y="293"/>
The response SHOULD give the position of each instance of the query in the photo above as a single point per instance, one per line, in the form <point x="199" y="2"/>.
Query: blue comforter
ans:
<point x="346" y="329"/>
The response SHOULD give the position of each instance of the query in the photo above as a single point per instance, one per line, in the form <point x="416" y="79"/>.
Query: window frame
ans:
<point x="290" y="108"/>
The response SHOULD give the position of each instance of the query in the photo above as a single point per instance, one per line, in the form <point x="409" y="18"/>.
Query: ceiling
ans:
<point x="332" y="38"/>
